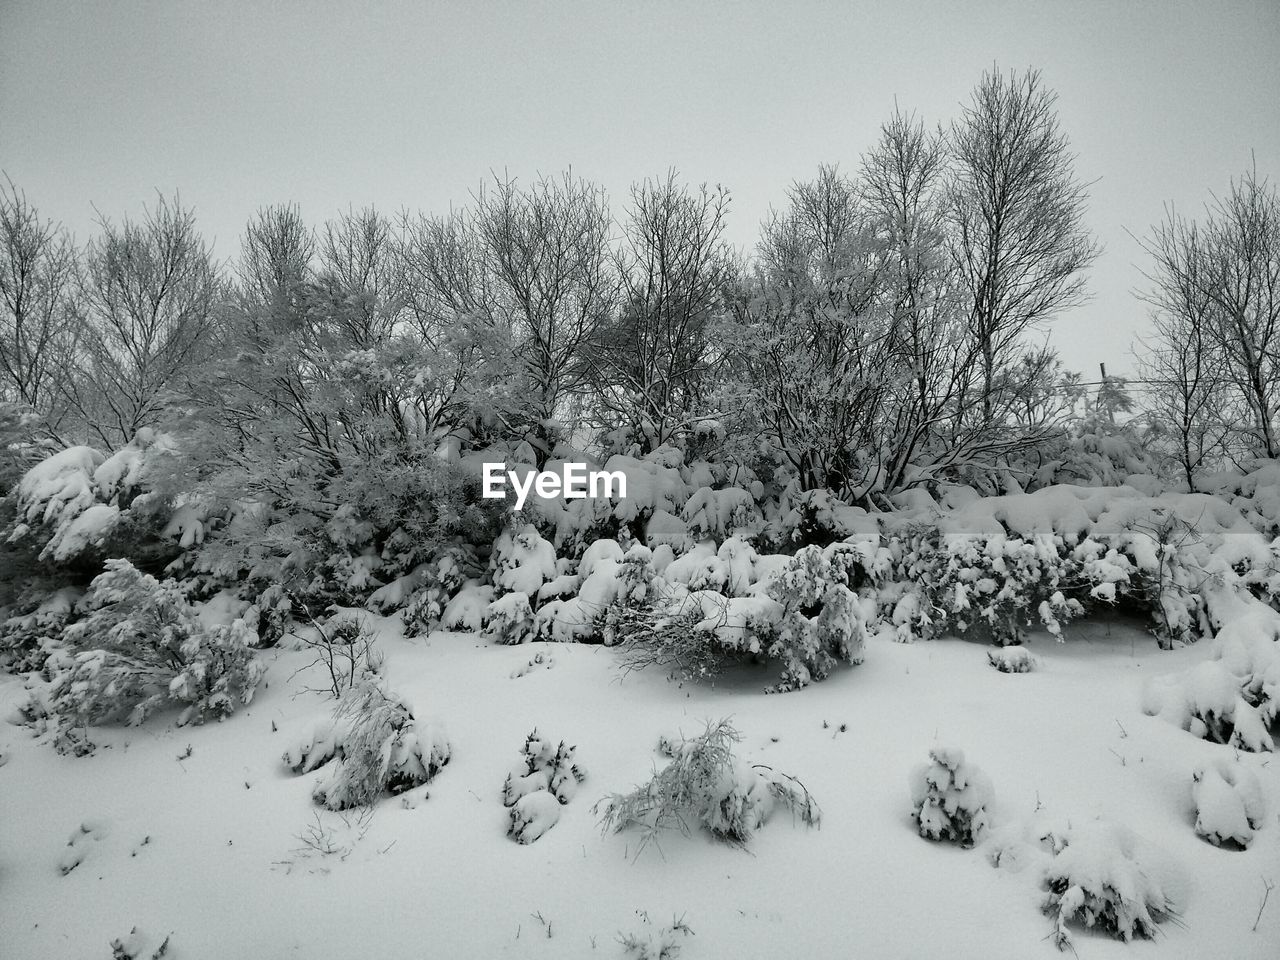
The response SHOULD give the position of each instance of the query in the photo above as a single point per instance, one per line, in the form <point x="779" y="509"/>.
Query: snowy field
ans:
<point x="201" y="832"/>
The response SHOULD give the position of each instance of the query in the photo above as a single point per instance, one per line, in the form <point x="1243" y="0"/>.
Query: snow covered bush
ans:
<point x="666" y="635"/>
<point x="707" y="785"/>
<point x="435" y="584"/>
<point x="1011" y="660"/>
<point x="1233" y="698"/>
<point x="823" y="621"/>
<point x="546" y="779"/>
<point x="950" y="798"/>
<point x="140" y="646"/>
<point x="373" y="746"/>
<point x="28" y="639"/>
<point x="1098" y="877"/>
<point x="79" y="500"/>
<point x="1229" y="802"/>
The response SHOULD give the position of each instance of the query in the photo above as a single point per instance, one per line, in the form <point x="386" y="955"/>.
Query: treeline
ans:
<point x="881" y="336"/>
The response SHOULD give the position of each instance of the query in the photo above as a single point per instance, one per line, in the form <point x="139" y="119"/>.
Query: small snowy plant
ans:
<point x="546" y="779"/>
<point x="650" y="944"/>
<point x="950" y="798"/>
<point x="1097" y="877"/>
<point x="1011" y="659"/>
<point x="1229" y="803"/>
<point x="139" y="646"/>
<point x="705" y="784"/>
<point x="374" y="746"/>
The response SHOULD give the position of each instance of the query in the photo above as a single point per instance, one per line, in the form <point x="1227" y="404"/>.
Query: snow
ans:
<point x="1229" y="802"/>
<point x="62" y="483"/>
<point x="1069" y="738"/>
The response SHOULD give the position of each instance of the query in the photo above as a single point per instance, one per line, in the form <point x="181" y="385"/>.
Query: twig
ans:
<point x="1267" y="887"/>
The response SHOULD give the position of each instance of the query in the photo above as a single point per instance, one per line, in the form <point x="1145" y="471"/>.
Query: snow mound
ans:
<point x="1229" y="802"/>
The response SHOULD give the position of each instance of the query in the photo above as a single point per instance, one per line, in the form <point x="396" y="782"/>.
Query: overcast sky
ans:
<point x="239" y="105"/>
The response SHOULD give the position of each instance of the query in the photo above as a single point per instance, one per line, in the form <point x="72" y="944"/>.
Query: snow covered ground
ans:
<point x="201" y="831"/>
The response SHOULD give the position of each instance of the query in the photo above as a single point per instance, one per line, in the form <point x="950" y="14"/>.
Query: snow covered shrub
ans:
<point x="1097" y="876"/>
<point x="546" y="779"/>
<point x="509" y="619"/>
<point x="823" y="621"/>
<point x="437" y="582"/>
<point x="522" y="561"/>
<point x="1229" y="803"/>
<point x="1011" y="660"/>
<point x="138" y="646"/>
<point x="707" y="785"/>
<point x="1234" y="697"/>
<point x="666" y="635"/>
<point x="950" y="798"/>
<point x="27" y="640"/>
<point x="79" y="501"/>
<point x="374" y="747"/>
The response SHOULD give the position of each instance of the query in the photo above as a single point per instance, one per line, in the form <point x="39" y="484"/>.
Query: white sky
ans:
<point x="239" y="105"/>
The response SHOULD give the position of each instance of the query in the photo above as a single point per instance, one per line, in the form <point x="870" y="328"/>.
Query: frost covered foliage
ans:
<point x="1098" y="877"/>
<point x="950" y="798"/>
<point x="1233" y="698"/>
<point x="373" y="746"/>
<point x="138" y="646"/>
<point x="546" y="779"/>
<point x="707" y="785"/>
<point x="1229" y="803"/>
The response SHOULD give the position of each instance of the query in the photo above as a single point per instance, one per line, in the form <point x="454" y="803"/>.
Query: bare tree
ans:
<point x="1242" y="279"/>
<point x="1017" y="217"/>
<point x="825" y="222"/>
<point x="277" y="252"/>
<point x="147" y="302"/>
<point x="1184" y="370"/>
<point x="358" y="263"/>
<point x="38" y="266"/>
<point x="551" y="283"/>
<point x="651" y="363"/>
<point x="1215" y="295"/>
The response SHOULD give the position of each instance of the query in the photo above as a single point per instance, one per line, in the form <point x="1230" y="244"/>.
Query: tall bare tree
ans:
<point x="147" y="303"/>
<point x="650" y="365"/>
<point x="1017" y="217"/>
<point x="1184" y="369"/>
<point x="551" y="282"/>
<point x="38" y="267"/>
